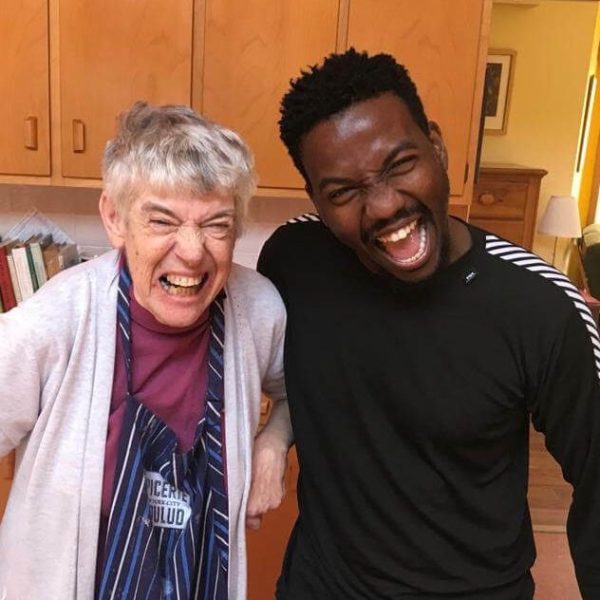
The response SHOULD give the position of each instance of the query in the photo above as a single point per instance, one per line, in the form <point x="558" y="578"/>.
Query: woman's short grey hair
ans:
<point x="173" y="150"/>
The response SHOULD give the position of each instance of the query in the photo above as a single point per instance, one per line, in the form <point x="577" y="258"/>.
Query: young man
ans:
<point x="417" y="349"/>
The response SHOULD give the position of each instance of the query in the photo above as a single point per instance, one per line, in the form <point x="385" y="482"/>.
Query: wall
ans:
<point x="75" y="210"/>
<point x="554" y="43"/>
<point x="588" y="192"/>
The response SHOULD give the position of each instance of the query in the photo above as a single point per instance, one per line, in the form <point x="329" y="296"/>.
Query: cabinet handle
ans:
<point x="31" y="133"/>
<point x="487" y="199"/>
<point x="78" y="136"/>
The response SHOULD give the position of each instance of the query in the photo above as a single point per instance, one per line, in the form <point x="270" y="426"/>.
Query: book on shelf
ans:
<point x="13" y="278"/>
<point x="35" y="246"/>
<point x="32" y="252"/>
<point x="50" y="257"/>
<point x="19" y="254"/>
<point x="68" y="255"/>
<point x="7" y="291"/>
<point x="32" y="273"/>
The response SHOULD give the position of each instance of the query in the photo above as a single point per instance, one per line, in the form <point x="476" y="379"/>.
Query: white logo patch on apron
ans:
<point x="169" y="507"/>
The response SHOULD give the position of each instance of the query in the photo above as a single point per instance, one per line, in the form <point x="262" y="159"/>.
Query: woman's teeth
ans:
<point x="399" y="234"/>
<point x="182" y="286"/>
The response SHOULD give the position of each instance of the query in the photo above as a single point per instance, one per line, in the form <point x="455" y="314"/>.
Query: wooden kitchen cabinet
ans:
<point x="266" y="546"/>
<point x="440" y="43"/>
<point x="111" y="54"/>
<point x="231" y="60"/>
<point x="505" y="200"/>
<point x="251" y="51"/>
<point x="24" y="88"/>
<point x="7" y="468"/>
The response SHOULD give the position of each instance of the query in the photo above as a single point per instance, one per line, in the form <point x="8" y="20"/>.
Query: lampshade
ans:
<point x="561" y="218"/>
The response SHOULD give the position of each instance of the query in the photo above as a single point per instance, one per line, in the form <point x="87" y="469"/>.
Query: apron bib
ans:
<point x="168" y="530"/>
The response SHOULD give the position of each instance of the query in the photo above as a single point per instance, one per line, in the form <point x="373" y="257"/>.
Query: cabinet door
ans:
<point x="266" y="546"/>
<point x="252" y="49"/>
<point x="7" y="467"/>
<point x="113" y="53"/>
<point x="24" y="88"/>
<point x="438" y="42"/>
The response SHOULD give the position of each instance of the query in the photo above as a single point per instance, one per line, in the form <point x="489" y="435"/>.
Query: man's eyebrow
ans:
<point x="389" y="159"/>
<point x="334" y="180"/>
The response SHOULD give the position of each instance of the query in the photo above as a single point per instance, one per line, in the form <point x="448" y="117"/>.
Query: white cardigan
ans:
<point x="57" y="353"/>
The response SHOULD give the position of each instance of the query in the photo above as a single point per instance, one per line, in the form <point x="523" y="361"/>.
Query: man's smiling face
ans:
<point x="379" y="182"/>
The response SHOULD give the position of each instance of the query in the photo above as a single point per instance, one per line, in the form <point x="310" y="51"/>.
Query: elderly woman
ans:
<point x="131" y="384"/>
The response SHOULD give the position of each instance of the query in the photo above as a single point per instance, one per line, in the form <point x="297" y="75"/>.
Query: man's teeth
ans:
<point x="421" y="250"/>
<point x="399" y="234"/>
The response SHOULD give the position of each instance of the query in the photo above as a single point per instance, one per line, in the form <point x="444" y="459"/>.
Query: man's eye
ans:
<point x="341" y="195"/>
<point x="401" y="166"/>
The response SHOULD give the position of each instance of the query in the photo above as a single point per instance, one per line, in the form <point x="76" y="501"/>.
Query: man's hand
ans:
<point x="269" y="464"/>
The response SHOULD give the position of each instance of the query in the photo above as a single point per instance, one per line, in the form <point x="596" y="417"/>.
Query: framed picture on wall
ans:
<point x="499" y="72"/>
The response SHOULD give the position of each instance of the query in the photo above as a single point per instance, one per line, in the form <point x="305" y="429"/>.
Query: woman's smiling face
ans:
<point x="179" y="250"/>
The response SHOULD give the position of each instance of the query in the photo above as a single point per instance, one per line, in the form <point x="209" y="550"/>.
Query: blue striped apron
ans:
<point x="168" y="530"/>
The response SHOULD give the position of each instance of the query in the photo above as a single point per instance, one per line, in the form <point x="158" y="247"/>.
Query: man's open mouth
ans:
<point x="406" y="245"/>
<point x="177" y="285"/>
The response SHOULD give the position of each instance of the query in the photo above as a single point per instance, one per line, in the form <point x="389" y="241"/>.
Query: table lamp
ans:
<point x="560" y="219"/>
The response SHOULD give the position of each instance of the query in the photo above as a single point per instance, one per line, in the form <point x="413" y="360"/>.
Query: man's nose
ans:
<point x="382" y="201"/>
<point x="190" y="244"/>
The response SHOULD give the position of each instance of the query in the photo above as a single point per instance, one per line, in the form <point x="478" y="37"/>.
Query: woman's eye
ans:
<point x="220" y="228"/>
<point x="161" y="225"/>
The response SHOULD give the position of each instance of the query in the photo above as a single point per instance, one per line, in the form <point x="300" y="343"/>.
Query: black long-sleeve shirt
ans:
<point x="410" y="405"/>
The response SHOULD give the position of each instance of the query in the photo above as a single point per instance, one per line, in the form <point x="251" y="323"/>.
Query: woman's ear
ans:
<point x="113" y="221"/>
<point x="435" y="136"/>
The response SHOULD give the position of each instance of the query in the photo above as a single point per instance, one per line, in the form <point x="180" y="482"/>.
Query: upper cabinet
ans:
<point x="24" y="88"/>
<point x="113" y="53"/>
<point x="232" y="60"/>
<point x="439" y="43"/>
<point x="252" y="49"/>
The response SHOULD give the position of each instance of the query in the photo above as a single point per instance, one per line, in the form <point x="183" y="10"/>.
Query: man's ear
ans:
<point x="435" y="136"/>
<point x="114" y="223"/>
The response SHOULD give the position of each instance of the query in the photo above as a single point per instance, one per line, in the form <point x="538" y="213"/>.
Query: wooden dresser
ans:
<point x="505" y="200"/>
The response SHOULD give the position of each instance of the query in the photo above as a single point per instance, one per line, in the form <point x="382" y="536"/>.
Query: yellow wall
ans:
<point x="584" y="180"/>
<point x="554" y="46"/>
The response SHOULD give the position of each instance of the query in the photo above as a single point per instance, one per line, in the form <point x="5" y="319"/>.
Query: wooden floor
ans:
<point x="549" y="500"/>
<point x="553" y="570"/>
<point x="549" y="495"/>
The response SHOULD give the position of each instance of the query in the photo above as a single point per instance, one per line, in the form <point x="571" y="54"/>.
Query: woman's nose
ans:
<point x="190" y="243"/>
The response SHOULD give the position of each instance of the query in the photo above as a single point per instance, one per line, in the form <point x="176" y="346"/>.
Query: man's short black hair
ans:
<point x="342" y="80"/>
